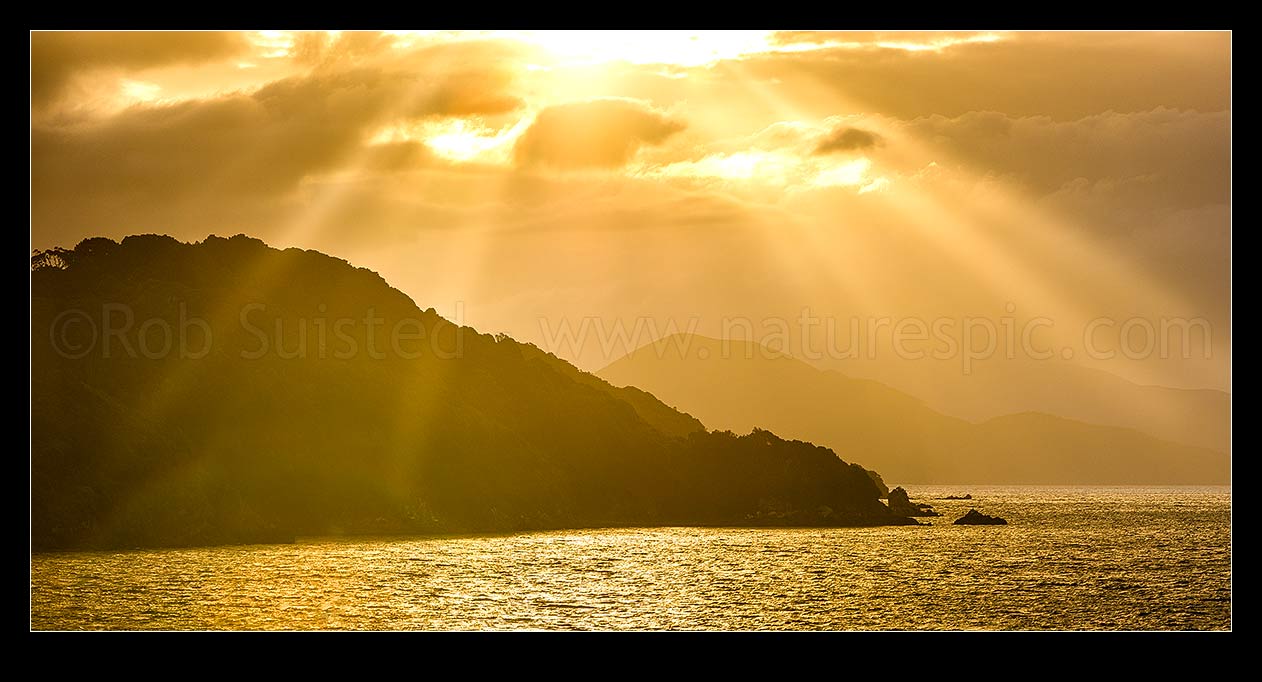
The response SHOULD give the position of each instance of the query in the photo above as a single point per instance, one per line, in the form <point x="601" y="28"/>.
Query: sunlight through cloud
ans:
<point x="776" y="168"/>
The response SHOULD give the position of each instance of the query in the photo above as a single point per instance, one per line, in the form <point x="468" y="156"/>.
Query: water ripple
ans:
<point x="1104" y="558"/>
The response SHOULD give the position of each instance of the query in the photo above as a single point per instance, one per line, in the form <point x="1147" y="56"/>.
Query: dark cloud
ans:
<point x="473" y="93"/>
<point x="1061" y="75"/>
<point x="1146" y="160"/>
<point x="250" y="159"/>
<point x="57" y="56"/>
<point x="601" y="133"/>
<point x="847" y="139"/>
<point x="396" y="156"/>
<point x="247" y="144"/>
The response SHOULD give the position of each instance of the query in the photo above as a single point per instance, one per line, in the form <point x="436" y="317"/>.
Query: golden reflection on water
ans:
<point x="1071" y="559"/>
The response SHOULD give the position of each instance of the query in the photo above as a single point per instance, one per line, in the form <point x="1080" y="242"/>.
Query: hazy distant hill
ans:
<point x="999" y="386"/>
<point x="735" y="386"/>
<point x="330" y="428"/>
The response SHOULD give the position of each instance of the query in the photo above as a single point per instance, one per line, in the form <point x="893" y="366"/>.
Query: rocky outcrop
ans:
<point x="902" y="505"/>
<point x="881" y="488"/>
<point x="957" y="497"/>
<point x="976" y="518"/>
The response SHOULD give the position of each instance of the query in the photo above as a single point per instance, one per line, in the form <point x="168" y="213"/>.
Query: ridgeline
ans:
<point x="228" y="392"/>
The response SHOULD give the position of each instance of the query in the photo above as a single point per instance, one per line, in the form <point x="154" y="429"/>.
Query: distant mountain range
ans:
<point x="1001" y="386"/>
<point x="734" y="385"/>
<point x="225" y="391"/>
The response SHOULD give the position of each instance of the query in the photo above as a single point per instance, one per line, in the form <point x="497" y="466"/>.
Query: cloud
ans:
<point x="600" y="133"/>
<point x="1141" y="161"/>
<point x="1078" y="74"/>
<point x="336" y="143"/>
<point x="847" y="139"/>
<point x="247" y="143"/>
<point x="250" y="158"/>
<point x="916" y="41"/>
<point x="318" y="48"/>
<point x="473" y="93"/>
<point x="396" y="156"/>
<point x="58" y="56"/>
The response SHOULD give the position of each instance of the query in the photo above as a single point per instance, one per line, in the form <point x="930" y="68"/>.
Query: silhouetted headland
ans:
<point x="226" y="391"/>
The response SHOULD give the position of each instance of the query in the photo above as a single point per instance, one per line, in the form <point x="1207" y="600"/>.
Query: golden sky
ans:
<point x="514" y="176"/>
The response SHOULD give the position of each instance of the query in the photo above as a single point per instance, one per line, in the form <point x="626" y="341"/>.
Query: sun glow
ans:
<point x="702" y="48"/>
<point x="274" y="44"/>
<point x="677" y="48"/>
<point x="460" y="139"/>
<point x="933" y="45"/>
<point x="938" y="44"/>
<point x="775" y="168"/>
<point x="843" y="174"/>
<point x="140" y="91"/>
<point x="682" y="48"/>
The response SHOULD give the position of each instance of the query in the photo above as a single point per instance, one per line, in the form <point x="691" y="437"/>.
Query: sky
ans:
<point x="588" y="191"/>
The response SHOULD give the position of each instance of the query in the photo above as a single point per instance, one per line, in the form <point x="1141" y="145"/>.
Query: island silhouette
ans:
<point x="229" y="392"/>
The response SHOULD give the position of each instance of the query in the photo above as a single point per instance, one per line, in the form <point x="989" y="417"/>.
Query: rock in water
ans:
<point x="976" y="518"/>
<point x="902" y="505"/>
